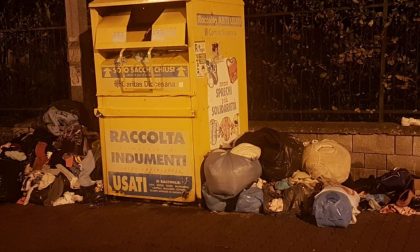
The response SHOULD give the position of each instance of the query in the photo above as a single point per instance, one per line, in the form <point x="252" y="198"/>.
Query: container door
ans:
<point x="148" y="157"/>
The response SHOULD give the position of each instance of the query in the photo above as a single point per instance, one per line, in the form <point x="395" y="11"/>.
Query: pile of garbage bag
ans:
<point x="56" y="162"/>
<point x="270" y="172"/>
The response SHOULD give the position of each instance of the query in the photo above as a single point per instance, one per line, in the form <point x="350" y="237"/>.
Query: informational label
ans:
<point x="148" y="156"/>
<point x="134" y="76"/>
<point x="218" y="20"/>
<point x="145" y="72"/>
<point x="200" y="58"/>
<point x="154" y="185"/>
<point x="223" y="101"/>
<point x="154" y="148"/>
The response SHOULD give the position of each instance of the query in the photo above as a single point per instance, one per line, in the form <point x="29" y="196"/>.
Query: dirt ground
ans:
<point x="139" y="226"/>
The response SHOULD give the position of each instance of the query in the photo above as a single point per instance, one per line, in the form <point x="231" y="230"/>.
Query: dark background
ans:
<point x="307" y="60"/>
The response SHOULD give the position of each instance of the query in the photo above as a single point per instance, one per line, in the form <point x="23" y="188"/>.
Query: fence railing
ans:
<point x="306" y="60"/>
<point x="333" y="60"/>
<point x="33" y="57"/>
<point x="34" y="69"/>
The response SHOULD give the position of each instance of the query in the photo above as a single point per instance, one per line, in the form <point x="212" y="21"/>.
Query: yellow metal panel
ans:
<point x="170" y="27"/>
<point x="145" y="102"/>
<point x="140" y="45"/>
<point x="146" y="112"/>
<point x="174" y="124"/>
<point x="163" y="73"/>
<point x="216" y="36"/>
<point x="108" y="3"/>
<point x="149" y="158"/>
<point x="113" y="29"/>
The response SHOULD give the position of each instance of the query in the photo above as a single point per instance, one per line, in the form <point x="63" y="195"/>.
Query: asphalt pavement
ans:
<point x="142" y="226"/>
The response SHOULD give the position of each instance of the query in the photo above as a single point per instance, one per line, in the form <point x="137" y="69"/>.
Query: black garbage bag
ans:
<point x="398" y="180"/>
<point x="281" y="153"/>
<point x="395" y="182"/>
<point x="92" y="195"/>
<point x="299" y="198"/>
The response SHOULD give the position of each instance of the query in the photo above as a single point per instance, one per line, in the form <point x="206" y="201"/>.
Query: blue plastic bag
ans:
<point x="212" y="202"/>
<point x="332" y="209"/>
<point x="250" y="200"/>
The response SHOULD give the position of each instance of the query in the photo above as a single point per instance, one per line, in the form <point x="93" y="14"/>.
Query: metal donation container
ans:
<point x="171" y="86"/>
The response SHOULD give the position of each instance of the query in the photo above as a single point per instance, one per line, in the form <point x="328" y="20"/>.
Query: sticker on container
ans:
<point x="223" y="100"/>
<point x="154" y="185"/>
<point x="200" y="58"/>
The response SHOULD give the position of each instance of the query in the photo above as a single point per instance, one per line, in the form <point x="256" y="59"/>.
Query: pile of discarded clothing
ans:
<point x="57" y="162"/>
<point x="270" y="172"/>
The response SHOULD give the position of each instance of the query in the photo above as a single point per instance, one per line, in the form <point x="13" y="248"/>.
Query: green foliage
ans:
<point x="324" y="55"/>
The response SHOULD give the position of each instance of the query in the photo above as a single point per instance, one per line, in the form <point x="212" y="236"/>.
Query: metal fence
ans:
<point x="306" y="59"/>
<point x="325" y="60"/>
<point x="33" y="58"/>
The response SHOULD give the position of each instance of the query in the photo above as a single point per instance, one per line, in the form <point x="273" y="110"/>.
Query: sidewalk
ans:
<point x="138" y="226"/>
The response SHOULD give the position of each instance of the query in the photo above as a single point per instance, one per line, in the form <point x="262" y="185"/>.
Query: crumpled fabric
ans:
<point x="375" y="201"/>
<point x="15" y="155"/>
<point x="41" y="155"/>
<point x="392" y="208"/>
<point x="74" y="181"/>
<point x="71" y="138"/>
<point x="247" y="150"/>
<point x="87" y="166"/>
<point x="57" y="120"/>
<point x="270" y="193"/>
<point x="260" y="183"/>
<point x="32" y="179"/>
<point x="282" y="184"/>
<point x="46" y="180"/>
<point x="5" y="146"/>
<point x="276" y="205"/>
<point x="28" y="196"/>
<point x="300" y="177"/>
<point x="68" y="198"/>
<point x="55" y="191"/>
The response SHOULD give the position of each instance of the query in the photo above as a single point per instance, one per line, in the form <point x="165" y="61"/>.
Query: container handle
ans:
<point x="122" y="78"/>
<point x="152" y="72"/>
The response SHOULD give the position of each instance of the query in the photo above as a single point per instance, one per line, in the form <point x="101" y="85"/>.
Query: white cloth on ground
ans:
<point x="68" y="198"/>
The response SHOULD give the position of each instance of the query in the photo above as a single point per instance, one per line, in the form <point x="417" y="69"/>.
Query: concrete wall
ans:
<point x="375" y="148"/>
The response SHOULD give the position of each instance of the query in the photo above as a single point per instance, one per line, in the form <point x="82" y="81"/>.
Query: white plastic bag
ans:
<point x="327" y="161"/>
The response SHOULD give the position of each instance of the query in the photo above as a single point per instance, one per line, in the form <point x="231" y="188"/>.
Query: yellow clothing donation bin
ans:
<point x="171" y="86"/>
